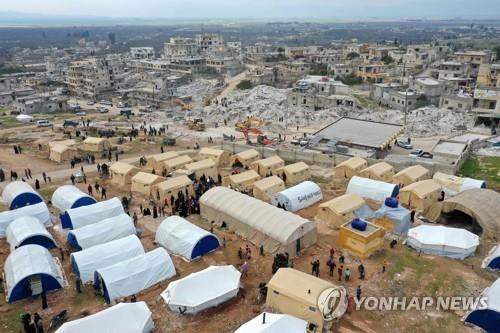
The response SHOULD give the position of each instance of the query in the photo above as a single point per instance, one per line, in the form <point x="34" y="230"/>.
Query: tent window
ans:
<point x="276" y="292"/>
<point x="312" y="309"/>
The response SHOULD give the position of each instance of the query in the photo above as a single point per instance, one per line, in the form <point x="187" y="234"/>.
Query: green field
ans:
<point x="485" y="168"/>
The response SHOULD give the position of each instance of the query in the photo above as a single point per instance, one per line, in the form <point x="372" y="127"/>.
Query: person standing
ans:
<point x="37" y="184"/>
<point x="103" y="193"/>
<point x="44" y="175"/>
<point x="358" y="293"/>
<point x="331" y="264"/>
<point x="339" y="270"/>
<point x="72" y="179"/>
<point x="38" y="322"/>
<point x="244" y="269"/>
<point x="89" y="188"/>
<point x="384" y="265"/>
<point x="135" y="218"/>
<point x="347" y="274"/>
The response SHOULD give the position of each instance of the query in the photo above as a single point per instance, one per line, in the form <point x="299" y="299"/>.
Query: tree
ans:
<point x="496" y="49"/>
<point x="244" y="85"/>
<point x="352" y="55"/>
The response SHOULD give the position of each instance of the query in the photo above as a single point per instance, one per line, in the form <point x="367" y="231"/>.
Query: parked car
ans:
<point x="103" y="110"/>
<point x="43" y="123"/>
<point x="421" y="153"/>
<point x="104" y="102"/>
<point x="404" y="143"/>
<point x="71" y="123"/>
<point x="426" y="154"/>
<point x="81" y="113"/>
<point x="90" y="103"/>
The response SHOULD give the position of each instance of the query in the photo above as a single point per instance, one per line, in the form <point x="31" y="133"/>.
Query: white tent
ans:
<point x="120" y="318"/>
<point x="104" y="231"/>
<point x="443" y="241"/>
<point x="24" y="118"/>
<point x="202" y="290"/>
<point x="18" y="194"/>
<point x="86" y="262"/>
<point x="134" y="275"/>
<point x="28" y="230"/>
<point x="299" y="196"/>
<point x="181" y="237"/>
<point x="492" y="260"/>
<point x="75" y="218"/>
<point x="372" y="189"/>
<point x="487" y="317"/>
<point x="39" y="210"/>
<point x="69" y="196"/>
<point x="273" y="323"/>
<point x="26" y="262"/>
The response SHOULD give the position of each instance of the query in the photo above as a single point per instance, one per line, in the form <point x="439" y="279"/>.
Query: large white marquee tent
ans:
<point x="372" y="189"/>
<point x="70" y="196"/>
<point x="18" y="194"/>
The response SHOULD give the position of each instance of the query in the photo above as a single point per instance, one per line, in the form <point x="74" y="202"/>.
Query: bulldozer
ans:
<point x="250" y="122"/>
<point x="196" y="124"/>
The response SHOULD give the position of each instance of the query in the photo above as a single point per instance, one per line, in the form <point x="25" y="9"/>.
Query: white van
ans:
<point x="43" y="123"/>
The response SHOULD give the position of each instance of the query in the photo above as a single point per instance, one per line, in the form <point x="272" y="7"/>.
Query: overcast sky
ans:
<point x="260" y="8"/>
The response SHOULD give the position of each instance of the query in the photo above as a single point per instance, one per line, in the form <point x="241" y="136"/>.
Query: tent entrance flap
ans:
<point x="205" y="245"/>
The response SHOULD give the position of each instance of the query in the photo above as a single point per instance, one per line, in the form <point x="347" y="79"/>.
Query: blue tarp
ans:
<point x="399" y="215"/>
<point x="21" y="289"/>
<point x="25" y="199"/>
<point x="44" y="241"/>
<point x="205" y="245"/>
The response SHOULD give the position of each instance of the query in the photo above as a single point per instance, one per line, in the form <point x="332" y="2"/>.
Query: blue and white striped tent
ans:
<point x="18" y="194"/>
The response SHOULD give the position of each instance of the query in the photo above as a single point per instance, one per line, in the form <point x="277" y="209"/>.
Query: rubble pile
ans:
<point x="198" y="89"/>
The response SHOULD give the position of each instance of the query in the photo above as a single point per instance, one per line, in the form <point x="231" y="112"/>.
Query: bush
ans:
<point x="387" y="59"/>
<point x="244" y="85"/>
<point x="352" y="80"/>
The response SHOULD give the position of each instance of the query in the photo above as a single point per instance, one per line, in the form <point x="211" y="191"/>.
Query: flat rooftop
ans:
<point x="360" y="132"/>
<point x="449" y="148"/>
<point x="469" y="137"/>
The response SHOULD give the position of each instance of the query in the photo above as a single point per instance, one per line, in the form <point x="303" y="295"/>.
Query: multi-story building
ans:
<point x="376" y="73"/>
<point x="181" y="47"/>
<point x="261" y="75"/>
<point x="486" y="100"/>
<point x="289" y="72"/>
<point x="39" y="103"/>
<point x="453" y="69"/>
<point x="207" y="42"/>
<point x="489" y="75"/>
<point x="398" y="99"/>
<point x="432" y="89"/>
<point x="142" y="53"/>
<point x="342" y="70"/>
<point x="456" y="102"/>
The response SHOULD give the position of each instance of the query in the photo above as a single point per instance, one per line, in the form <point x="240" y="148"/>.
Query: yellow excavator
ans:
<point x="196" y="124"/>
<point x="250" y="122"/>
<point x="185" y="106"/>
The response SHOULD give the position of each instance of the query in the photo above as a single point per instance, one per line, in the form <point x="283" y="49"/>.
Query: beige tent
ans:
<point x="411" y="175"/>
<point x="420" y="195"/>
<point x="350" y="168"/>
<point x="172" y="186"/>
<point x="481" y="205"/>
<point x="295" y="173"/>
<point x="268" y="166"/>
<point x="265" y="188"/>
<point x="143" y="182"/>
<point x="176" y="163"/>
<point x="277" y="230"/>
<point x="204" y="167"/>
<point x="219" y="156"/>
<point x="95" y="144"/>
<point x="61" y="153"/>
<point x="122" y="173"/>
<point x="244" y="181"/>
<point x="382" y="171"/>
<point x="156" y="161"/>
<point x="245" y="158"/>
<point x="339" y="210"/>
<point x="296" y="293"/>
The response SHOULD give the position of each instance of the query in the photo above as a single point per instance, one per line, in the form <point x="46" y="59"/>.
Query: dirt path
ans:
<point x="233" y="82"/>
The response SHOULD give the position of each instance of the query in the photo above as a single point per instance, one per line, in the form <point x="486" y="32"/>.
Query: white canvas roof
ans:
<point x="372" y="189"/>
<point x="99" y="211"/>
<point x="179" y="236"/>
<point x="494" y="254"/>
<point x="136" y="274"/>
<point x="120" y="318"/>
<point x="202" y="290"/>
<point x="39" y="210"/>
<point x="30" y="260"/>
<point x="438" y="240"/>
<point x="64" y="197"/>
<point x="104" y="231"/>
<point x="274" y="323"/>
<point x="13" y="189"/>
<point x="103" y="255"/>
<point x="276" y="223"/>
<point x="299" y="196"/>
<point x="23" y="228"/>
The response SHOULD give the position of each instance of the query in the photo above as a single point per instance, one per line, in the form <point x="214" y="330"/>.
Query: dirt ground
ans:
<point x="408" y="273"/>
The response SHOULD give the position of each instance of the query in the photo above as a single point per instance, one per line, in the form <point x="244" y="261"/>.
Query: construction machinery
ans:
<point x="185" y="106"/>
<point x="196" y="124"/>
<point x="250" y="122"/>
<point x="261" y="138"/>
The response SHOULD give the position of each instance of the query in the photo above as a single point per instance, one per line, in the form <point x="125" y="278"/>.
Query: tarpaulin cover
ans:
<point x="399" y="215"/>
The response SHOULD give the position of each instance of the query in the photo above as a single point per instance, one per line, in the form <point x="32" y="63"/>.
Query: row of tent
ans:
<point x="383" y="171"/>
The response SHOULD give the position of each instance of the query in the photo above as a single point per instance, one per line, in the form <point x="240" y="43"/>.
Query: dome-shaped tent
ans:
<point x="273" y="323"/>
<point x="70" y="196"/>
<point x="131" y="276"/>
<point x="31" y="270"/>
<point x="75" y="218"/>
<point x="122" y="318"/>
<point x="202" y="290"/>
<point x="299" y="196"/>
<point x="28" y="230"/>
<point x="487" y="318"/>
<point x="86" y="262"/>
<point x="181" y="237"/>
<point x="104" y="231"/>
<point x="372" y="189"/>
<point x="492" y="260"/>
<point x="39" y="210"/>
<point x="19" y="194"/>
